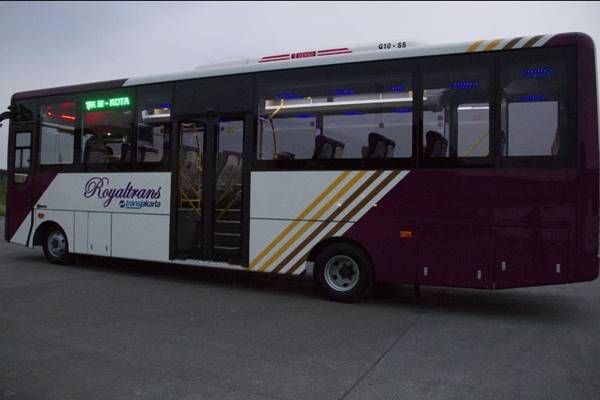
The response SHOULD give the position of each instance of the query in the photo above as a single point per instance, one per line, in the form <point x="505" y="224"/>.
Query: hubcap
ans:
<point x="341" y="273"/>
<point x="57" y="244"/>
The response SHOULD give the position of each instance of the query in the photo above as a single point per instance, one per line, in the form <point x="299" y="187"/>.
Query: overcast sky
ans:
<point x="63" y="43"/>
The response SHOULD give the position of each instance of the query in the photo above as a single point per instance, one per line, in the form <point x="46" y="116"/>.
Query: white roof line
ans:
<point x="341" y="55"/>
<point x="256" y="65"/>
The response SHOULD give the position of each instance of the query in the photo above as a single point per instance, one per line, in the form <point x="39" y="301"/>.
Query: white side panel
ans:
<point x="355" y="205"/>
<point x="142" y="237"/>
<point x="262" y="232"/>
<point x="64" y="219"/>
<point x="323" y="204"/>
<point x="110" y="192"/>
<point x="80" y="231"/>
<point x="285" y="194"/>
<point x="99" y="234"/>
<point x="20" y="236"/>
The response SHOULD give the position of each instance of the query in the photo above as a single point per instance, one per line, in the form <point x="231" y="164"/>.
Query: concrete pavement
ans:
<point x="106" y="329"/>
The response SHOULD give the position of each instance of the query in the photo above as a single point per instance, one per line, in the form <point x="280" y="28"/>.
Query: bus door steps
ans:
<point x="228" y="248"/>
<point x="229" y="213"/>
<point x="227" y="234"/>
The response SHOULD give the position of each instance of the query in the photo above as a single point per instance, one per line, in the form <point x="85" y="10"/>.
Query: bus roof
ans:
<point x="379" y="51"/>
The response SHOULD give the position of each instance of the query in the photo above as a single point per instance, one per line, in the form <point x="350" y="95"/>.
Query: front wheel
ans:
<point x="344" y="272"/>
<point x="56" y="247"/>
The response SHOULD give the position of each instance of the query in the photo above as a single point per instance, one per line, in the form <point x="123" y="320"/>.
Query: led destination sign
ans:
<point x="104" y="104"/>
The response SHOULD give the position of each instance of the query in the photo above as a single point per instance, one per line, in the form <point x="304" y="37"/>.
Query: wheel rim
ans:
<point x="341" y="273"/>
<point x="57" y="244"/>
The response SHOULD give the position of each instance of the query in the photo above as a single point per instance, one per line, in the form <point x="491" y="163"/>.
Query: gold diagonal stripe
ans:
<point x="324" y="224"/>
<point x="314" y="219"/>
<point x="532" y="41"/>
<point x="299" y="218"/>
<point x="474" y="46"/>
<point x="512" y="43"/>
<point x="492" y="44"/>
<point x="352" y="213"/>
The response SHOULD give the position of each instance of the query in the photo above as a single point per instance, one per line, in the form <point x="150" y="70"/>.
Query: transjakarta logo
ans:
<point x="128" y="196"/>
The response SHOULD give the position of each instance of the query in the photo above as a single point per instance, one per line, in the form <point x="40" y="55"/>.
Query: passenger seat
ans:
<point x="379" y="147"/>
<point x="327" y="148"/>
<point x="436" y="145"/>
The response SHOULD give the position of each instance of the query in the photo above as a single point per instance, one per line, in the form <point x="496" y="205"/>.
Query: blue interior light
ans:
<point x="352" y="113"/>
<point x="537" y="72"/>
<point x="305" y="116"/>
<point x="398" y="88"/>
<point x="464" y="85"/>
<point x="288" y="96"/>
<point x="402" y="109"/>
<point x="344" y="92"/>
<point x="532" y="98"/>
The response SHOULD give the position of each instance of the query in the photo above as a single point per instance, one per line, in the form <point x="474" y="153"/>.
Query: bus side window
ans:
<point x="22" y="156"/>
<point x="153" y="124"/>
<point x="534" y="116"/>
<point x="107" y="122"/>
<point x="58" y="121"/>
<point x="456" y="111"/>
<point x="362" y="118"/>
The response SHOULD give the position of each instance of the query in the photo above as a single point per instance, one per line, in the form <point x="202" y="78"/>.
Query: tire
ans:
<point x="55" y="245"/>
<point x="344" y="272"/>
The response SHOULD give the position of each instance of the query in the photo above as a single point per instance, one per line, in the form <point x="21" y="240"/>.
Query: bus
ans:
<point x="469" y="165"/>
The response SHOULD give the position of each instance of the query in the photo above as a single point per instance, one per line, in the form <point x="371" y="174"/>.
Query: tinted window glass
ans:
<point x="287" y="138"/>
<point x="354" y="118"/>
<point x="154" y="121"/>
<point x="387" y="134"/>
<point x="57" y="134"/>
<point x="534" y="107"/>
<point x="22" y="150"/>
<point x="107" y="123"/>
<point x="456" y="111"/>
<point x="473" y="129"/>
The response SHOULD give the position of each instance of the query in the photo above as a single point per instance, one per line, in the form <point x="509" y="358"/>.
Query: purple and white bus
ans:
<point x="469" y="165"/>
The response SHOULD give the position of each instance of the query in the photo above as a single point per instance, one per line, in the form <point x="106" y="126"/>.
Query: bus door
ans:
<point x="209" y="221"/>
<point x="20" y="180"/>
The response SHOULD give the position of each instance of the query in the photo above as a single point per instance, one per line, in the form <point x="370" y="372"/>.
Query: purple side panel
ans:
<point x="534" y="213"/>
<point x="395" y="259"/>
<point x="520" y="227"/>
<point x="455" y="203"/>
<point x="586" y="262"/>
<point x="455" y="256"/>
<point x="473" y="228"/>
<point x="22" y="197"/>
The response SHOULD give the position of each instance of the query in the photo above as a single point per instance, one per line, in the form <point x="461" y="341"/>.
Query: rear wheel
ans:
<point x="344" y="272"/>
<point x="55" y="245"/>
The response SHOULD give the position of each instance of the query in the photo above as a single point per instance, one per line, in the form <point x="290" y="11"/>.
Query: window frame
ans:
<point x="569" y="54"/>
<point x="450" y="62"/>
<point x="64" y="167"/>
<point x="340" y="71"/>
<point x="107" y="167"/>
<point x="164" y="165"/>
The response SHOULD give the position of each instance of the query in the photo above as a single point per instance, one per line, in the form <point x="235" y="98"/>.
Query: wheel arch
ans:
<point x="43" y="228"/>
<point x="339" y="239"/>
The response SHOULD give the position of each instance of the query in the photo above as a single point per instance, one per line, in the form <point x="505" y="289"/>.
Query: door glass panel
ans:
<point x="189" y="204"/>
<point x="22" y="156"/>
<point x="228" y="193"/>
